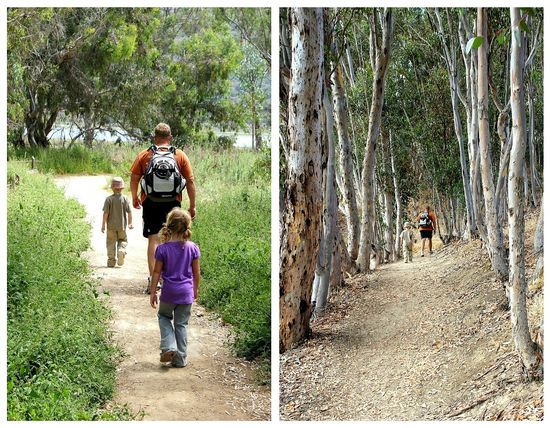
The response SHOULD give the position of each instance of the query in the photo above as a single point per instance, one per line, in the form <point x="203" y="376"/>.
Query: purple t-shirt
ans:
<point x="177" y="272"/>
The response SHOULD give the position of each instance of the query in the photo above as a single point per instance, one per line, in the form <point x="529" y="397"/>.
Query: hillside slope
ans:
<point x="422" y="341"/>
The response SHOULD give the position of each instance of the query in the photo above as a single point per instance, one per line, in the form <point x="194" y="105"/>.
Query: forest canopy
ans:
<point x="122" y="70"/>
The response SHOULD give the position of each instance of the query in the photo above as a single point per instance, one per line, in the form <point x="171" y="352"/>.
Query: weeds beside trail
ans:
<point x="61" y="365"/>
<point x="233" y="228"/>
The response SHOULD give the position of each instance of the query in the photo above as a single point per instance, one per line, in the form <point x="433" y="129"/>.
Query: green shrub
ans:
<point x="61" y="365"/>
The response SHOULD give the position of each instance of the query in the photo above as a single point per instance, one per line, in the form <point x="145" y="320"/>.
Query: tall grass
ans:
<point x="233" y="229"/>
<point x="61" y="363"/>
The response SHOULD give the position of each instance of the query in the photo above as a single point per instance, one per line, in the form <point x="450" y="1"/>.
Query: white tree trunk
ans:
<point x="539" y="245"/>
<point x="531" y="137"/>
<point x="303" y="200"/>
<point x="398" y="204"/>
<point x="346" y="161"/>
<point x="449" y="52"/>
<point x="381" y="59"/>
<point x="324" y="260"/>
<point x="494" y="229"/>
<point x="530" y="355"/>
<point x="388" y="225"/>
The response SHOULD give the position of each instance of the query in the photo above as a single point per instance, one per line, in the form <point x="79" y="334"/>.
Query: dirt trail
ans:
<point x="214" y="386"/>
<point x="417" y="341"/>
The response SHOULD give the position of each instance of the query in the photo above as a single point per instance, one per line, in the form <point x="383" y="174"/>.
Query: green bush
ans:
<point x="61" y="365"/>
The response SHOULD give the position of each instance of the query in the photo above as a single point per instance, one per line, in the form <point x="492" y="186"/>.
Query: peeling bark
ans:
<point x="380" y="58"/>
<point x="303" y="198"/>
<point x="528" y="350"/>
<point x="495" y="244"/>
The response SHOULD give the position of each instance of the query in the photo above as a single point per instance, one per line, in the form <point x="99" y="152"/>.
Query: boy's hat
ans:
<point x="407" y="224"/>
<point x="117" y="183"/>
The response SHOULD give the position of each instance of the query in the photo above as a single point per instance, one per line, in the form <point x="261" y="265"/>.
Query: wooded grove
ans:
<point x="386" y="110"/>
<point x="122" y="70"/>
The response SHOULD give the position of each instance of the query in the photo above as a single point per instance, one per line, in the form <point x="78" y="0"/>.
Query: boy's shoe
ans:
<point x="120" y="257"/>
<point x="421" y="254"/>
<point x="166" y="356"/>
<point x="111" y="264"/>
<point x="431" y="252"/>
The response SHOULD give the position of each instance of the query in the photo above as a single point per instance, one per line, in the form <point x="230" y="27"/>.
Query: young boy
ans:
<point x="115" y="209"/>
<point x="407" y="238"/>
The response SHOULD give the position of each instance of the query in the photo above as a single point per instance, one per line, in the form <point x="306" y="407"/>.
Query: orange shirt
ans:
<point x="140" y="165"/>
<point x="431" y="226"/>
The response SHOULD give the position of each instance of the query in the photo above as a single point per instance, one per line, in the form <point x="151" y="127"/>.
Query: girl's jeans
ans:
<point x="174" y="337"/>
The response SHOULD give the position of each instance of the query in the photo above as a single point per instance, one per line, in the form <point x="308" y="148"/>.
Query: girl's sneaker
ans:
<point x="166" y="356"/>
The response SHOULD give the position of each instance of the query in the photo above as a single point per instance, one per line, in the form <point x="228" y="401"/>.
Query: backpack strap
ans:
<point x="154" y="148"/>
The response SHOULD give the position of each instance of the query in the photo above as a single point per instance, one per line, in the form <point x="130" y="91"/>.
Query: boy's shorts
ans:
<point x="154" y="215"/>
<point x="426" y="234"/>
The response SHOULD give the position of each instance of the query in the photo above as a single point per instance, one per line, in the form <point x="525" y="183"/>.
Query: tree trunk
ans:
<point x="495" y="245"/>
<point x="451" y="62"/>
<point x="528" y="351"/>
<point x="39" y="121"/>
<point x="388" y="225"/>
<point x="381" y="61"/>
<point x="531" y="137"/>
<point x="539" y="245"/>
<point x="398" y="205"/>
<point x="303" y="200"/>
<point x="346" y="161"/>
<point x="336" y="277"/>
<point x="473" y="142"/>
<point x="324" y="260"/>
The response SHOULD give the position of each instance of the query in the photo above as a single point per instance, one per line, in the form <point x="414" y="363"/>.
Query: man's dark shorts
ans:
<point x="426" y="234"/>
<point x="154" y="215"/>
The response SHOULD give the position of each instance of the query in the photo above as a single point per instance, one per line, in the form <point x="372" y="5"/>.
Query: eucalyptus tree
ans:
<point x="530" y="354"/>
<point x="342" y="119"/>
<point x="495" y="238"/>
<point x="58" y="37"/>
<point x="301" y="231"/>
<point x="252" y="75"/>
<point x="380" y="40"/>
<point x="450" y="49"/>
<point x="253" y="26"/>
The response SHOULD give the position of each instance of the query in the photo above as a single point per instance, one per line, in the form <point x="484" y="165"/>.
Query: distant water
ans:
<point x="63" y="132"/>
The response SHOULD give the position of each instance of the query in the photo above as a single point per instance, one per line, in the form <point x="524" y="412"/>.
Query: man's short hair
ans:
<point x="162" y="130"/>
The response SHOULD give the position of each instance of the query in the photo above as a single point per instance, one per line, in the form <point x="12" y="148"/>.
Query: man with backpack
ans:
<point x="162" y="172"/>
<point x="427" y="225"/>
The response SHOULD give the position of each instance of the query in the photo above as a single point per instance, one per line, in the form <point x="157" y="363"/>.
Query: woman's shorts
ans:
<point x="426" y="234"/>
<point x="154" y="215"/>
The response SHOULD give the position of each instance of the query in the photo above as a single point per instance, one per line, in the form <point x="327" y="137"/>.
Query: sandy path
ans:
<point x="214" y="386"/>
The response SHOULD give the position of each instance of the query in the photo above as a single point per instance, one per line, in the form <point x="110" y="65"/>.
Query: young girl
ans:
<point x="177" y="259"/>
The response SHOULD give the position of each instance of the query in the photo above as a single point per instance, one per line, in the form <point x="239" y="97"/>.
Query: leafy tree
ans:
<point x="252" y="76"/>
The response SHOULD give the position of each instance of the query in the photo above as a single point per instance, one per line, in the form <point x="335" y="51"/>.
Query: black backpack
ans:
<point x="162" y="180"/>
<point x="425" y="220"/>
